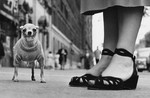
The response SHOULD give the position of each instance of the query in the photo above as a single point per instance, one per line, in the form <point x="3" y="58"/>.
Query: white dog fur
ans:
<point x="28" y="48"/>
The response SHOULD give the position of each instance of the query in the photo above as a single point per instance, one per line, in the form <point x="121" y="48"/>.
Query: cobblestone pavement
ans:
<point x="57" y="86"/>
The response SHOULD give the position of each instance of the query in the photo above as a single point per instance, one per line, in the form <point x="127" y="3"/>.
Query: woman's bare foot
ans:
<point x="120" y="67"/>
<point x="101" y="66"/>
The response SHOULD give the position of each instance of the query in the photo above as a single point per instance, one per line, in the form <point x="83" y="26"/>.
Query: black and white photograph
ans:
<point x="74" y="48"/>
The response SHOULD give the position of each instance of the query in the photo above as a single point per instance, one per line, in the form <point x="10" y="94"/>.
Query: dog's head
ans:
<point x="29" y="31"/>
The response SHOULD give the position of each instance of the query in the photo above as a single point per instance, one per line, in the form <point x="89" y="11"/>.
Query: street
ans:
<point x="57" y="86"/>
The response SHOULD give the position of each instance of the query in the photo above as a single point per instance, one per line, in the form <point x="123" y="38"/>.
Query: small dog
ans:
<point x="28" y="48"/>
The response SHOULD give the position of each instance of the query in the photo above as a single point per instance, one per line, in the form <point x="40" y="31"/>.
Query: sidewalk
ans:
<point x="57" y="86"/>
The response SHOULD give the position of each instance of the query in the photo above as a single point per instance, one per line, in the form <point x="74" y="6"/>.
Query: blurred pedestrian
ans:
<point x="97" y="53"/>
<point x="62" y="57"/>
<point x="88" y="60"/>
<point x="56" y="61"/>
<point x="50" y="60"/>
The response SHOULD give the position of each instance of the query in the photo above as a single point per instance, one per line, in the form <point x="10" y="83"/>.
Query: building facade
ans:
<point x="75" y="29"/>
<point x="60" y="25"/>
<point x="8" y="27"/>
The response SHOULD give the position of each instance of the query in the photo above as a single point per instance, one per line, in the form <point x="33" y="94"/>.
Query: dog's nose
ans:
<point x="29" y="33"/>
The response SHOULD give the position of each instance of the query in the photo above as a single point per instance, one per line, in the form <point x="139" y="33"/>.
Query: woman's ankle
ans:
<point x="101" y="66"/>
<point x="120" y="66"/>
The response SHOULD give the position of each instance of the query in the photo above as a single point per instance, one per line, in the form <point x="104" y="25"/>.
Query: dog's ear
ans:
<point x="21" y="27"/>
<point x="37" y="27"/>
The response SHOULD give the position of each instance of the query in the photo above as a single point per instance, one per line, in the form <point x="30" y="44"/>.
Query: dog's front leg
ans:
<point x="41" y="63"/>
<point x="32" y="71"/>
<point x="15" y="76"/>
<point x="42" y="74"/>
<point x="17" y="61"/>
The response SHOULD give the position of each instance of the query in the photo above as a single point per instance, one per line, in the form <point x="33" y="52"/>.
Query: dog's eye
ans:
<point x="24" y="30"/>
<point x="34" y="30"/>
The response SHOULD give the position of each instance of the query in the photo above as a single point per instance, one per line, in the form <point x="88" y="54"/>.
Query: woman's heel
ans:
<point x="131" y="83"/>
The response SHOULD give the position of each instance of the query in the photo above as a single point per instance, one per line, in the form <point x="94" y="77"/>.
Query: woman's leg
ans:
<point x="129" y="20"/>
<point x="110" y="40"/>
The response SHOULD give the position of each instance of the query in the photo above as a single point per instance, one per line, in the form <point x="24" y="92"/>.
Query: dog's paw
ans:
<point x="43" y="81"/>
<point x="33" y="78"/>
<point x="16" y="80"/>
<point x="13" y="78"/>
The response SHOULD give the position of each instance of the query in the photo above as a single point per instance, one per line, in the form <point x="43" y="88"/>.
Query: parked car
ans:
<point x="148" y="63"/>
<point x="141" y="63"/>
<point x="143" y="59"/>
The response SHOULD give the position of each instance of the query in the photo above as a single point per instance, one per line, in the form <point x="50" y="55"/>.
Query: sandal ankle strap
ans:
<point x="107" y="52"/>
<point x="124" y="52"/>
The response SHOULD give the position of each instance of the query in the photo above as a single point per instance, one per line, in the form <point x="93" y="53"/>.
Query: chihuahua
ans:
<point x="28" y="48"/>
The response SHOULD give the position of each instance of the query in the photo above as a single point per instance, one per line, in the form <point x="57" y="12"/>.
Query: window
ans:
<point x="54" y="46"/>
<point x="66" y="13"/>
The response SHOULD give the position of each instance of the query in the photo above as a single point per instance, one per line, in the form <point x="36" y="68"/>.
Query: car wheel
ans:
<point x="148" y="69"/>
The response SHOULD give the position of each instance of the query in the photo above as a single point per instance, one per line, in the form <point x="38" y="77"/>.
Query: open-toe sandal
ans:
<point x="114" y="83"/>
<point x="83" y="81"/>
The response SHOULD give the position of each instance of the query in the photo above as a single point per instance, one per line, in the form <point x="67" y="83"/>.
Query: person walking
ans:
<point x="62" y="57"/>
<point x="116" y="68"/>
<point x="97" y="53"/>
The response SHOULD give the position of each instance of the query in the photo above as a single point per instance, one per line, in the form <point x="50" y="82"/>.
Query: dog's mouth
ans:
<point x="29" y="39"/>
